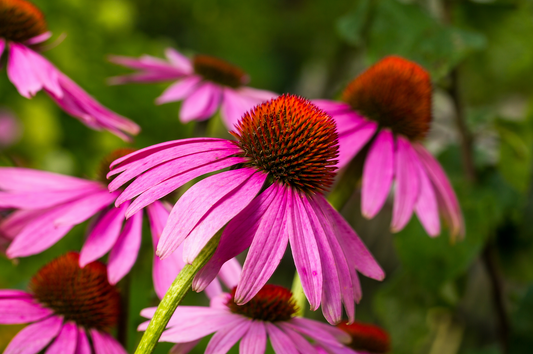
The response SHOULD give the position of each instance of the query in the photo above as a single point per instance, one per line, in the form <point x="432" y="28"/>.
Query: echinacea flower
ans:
<point x="282" y="161"/>
<point x="204" y="84"/>
<point x="389" y="107"/>
<point x="269" y="315"/>
<point x="365" y="338"/>
<point x="48" y="205"/>
<point x="65" y="304"/>
<point x="22" y="28"/>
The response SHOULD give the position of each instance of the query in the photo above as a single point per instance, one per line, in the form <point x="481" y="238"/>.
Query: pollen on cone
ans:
<point x="396" y="93"/>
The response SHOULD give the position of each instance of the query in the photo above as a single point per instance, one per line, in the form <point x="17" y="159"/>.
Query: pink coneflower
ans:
<point x="65" y="304"/>
<point x="48" y="205"/>
<point x="269" y="315"/>
<point x="22" y="28"/>
<point x="365" y="338"/>
<point x="393" y="98"/>
<point x="204" y="84"/>
<point x="282" y="161"/>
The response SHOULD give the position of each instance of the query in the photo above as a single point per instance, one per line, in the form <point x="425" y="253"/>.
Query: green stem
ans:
<point x="171" y="300"/>
<point x="298" y="295"/>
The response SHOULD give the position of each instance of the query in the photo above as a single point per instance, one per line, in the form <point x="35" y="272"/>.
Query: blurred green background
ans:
<point x="438" y="297"/>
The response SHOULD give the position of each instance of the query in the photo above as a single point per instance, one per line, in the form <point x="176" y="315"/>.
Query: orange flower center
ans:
<point x="20" y="20"/>
<point x="367" y="337"/>
<point x="396" y="93"/>
<point x="82" y="295"/>
<point x="292" y="140"/>
<point x="272" y="303"/>
<point x="219" y="71"/>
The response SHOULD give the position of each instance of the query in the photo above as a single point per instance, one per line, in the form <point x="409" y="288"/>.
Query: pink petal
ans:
<point x="202" y="103"/>
<point x="377" y="174"/>
<point x="233" y="107"/>
<point x="199" y="327"/>
<point x="349" y="121"/>
<point x="83" y="345"/>
<point x="230" y="273"/>
<point x="34" y="338"/>
<point x="226" y="337"/>
<point x="84" y="208"/>
<point x="426" y="205"/>
<point x="213" y="290"/>
<point x="257" y="95"/>
<point x="281" y="343"/>
<point x="183" y="348"/>
<point x="162" y="189"/>
<point x="254" y="341"/>
<point x="267" y="248"/>
<point x="145" y="62"/>
<point x="38" y="39"/>
<point x="332" y="107"/>
<point x="66" y="341"/>
<point x="196" y="203"/>
<point x="2" y="46"/>
<point x="447" y="200"/>
<point x="103" y="236"/>
<point x="237" y="236"/>
<point x="22" y="310"/>
<point x="41" y="200"/>
<point x="319" y="331"/>
<point x="220" y="214"/>
<point x="28" y="180"/>
<point x="179" y="60"/>
<point x="305" y="251"/>
<point x="352" y="141"/>
<point x="301" y="343"/>
<point x="45" y="72"/>
<point x="407" y="184"/>
<point x="14" y="294"/>
<point x="124" y="253"/>
<point x="103" y="343"/>
<point x="179" y="90"/>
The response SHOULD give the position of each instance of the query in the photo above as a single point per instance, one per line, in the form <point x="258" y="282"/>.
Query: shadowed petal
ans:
<point x="66" y="341"/>
<point x="377" y="174"/>
<point x="179" y="90"/>
<point x="226" y="337"/>
<point x="353" y="140"/>
<point x="230" y="273"/>
<point x="233" y="107"/>
<point x="407" y="184"/>
<point x="14" y="294"/>
<point x="183" y="348"/>
<point x="103" y="343"/>
<point x="426" y="205"/>
<point x="332" y="107"/>
<point x="254" y="341"/>
<point x="202" y="103"/>
<point x="83" y="345"/>
<point x="34" y="338"/>
<point x="22" y="310"/>
<point x="281" y="343"/>
<point x="319" y="331"/>
<point x="2" y="46"/>
<point x="301" y="343"/>
<point x="124" y="253"/>
<point x="179" y="60"/>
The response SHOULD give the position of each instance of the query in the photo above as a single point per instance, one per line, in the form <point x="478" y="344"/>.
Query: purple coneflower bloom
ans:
<point x="64" y="305"/>
<point x="282" y="161"/>
<point x="22" y="28"/>
<point x="268" y="315"/>
<point x="48" y="205"/>
<point x="204" y="84"/>
<point x="393" y="98"/>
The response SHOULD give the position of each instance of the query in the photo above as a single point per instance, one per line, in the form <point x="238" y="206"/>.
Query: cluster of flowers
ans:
<point x="267" y="192"/>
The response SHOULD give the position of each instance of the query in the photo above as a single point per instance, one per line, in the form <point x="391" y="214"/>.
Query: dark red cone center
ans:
<point x="367" y="337"/>
<point x="219" y="71"/>
<point x="20" y="20"/>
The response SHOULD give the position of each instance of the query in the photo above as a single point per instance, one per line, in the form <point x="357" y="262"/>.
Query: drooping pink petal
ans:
<point x="426" y="205"/>
<point x="301" y="343"/>
<point x="213" y="290"/>
<point x="184" y="315"/>
<point x="233" y="107"/>
<point x="66" y="341"/>
<point x="332" y="107"/>
<point x="199" y="327"/>
<point x="143" y="160"/>
<point x="237" y="236"/>
<point x="14" y="294"/>
<point x="179" y="60"/>
<point x="348" y="121"/>
<point x="83" y="346"/>
<point x="34" y="338"/>
<point x="351" y="243"/>
<point x="407" y="184"/>
<point x="266" y="250"/>
<point x="18" y="179"/>
<point x="39" y="38"/>
<point x="230" y="273"/>
<point x="22" y="310"/>
<point x="305" y="251"/>
<point x="281" y="343"/>
<point x="220" y="214"/>
<point x="183" y="348"/>
<point x="196" y="203"/>
<point x="254" y="341"/>
<point x="319" y="331"/>
<point x="446" y="198"/>
<point x="40" y="200"/>
<point x="202" y="103"/>
<point x="353" y="140"/>
<point x="103" y="236"/>
<point x="377" y="174"/>
<point x="84" y="208"/>
<point x="124" y="253"/>
<point x="226" y="337"/>
<point x="145" y="62"/>
<point x="103" y="343"/>
<point x="179" y="90"/>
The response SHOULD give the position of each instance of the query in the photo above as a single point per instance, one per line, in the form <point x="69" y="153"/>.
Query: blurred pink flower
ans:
<point x="283" y="160"/>
<point x="10" y="128"/>
<point x="62" y="310"/>
<point x="268" y="315"/>
<point x="30" y="72"/>
<point x="204" y="84"/>
<point x="389" y="105"/>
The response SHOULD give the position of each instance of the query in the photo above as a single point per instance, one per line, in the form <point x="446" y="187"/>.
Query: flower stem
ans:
<point x="171" y="300"/>
<point x="298" y="295"/>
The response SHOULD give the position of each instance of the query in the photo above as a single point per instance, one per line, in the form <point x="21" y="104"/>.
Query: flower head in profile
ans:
<point x="65" y="304"/>
<point x="204" y="84"/>
<point x="389" y="107"/>
<point x="22" y="29"/>
<point x="365" y="338"/>
<point x="46" y="206"/>
<point x="269" y="315"/>
<point x="271" y="196"/>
